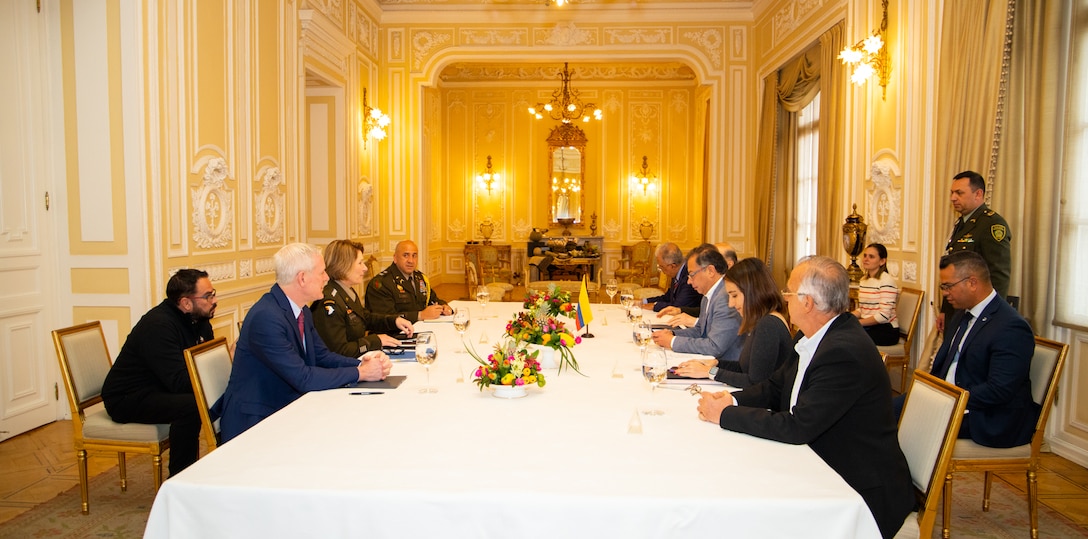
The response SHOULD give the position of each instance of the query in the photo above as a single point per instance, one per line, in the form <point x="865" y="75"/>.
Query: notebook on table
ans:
<point x="390" y="382"/>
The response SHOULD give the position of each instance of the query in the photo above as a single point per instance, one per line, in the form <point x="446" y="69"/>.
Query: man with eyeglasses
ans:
<point x="715" y="333"/>
<point x="987" y="350"/>
<point x="832" y="393"/>
<point x="670" y="259"/>
<point x="149" y="382"/>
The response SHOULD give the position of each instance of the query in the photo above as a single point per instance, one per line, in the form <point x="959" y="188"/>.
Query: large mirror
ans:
<point x="566" y="162"/>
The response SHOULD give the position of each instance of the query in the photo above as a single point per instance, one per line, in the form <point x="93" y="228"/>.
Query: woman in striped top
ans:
<point x="877" y="295"/>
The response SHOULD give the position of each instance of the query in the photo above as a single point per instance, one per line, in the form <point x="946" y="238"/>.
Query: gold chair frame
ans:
<point x="209" y="375"/>
<point x="84" y="375"/>
<point x="968" y="456"/>
<point x="927" y="437"/>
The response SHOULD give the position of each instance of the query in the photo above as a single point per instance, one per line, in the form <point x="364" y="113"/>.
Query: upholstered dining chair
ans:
<point x="209" y="366"/>
<point x="931" y="418"/>
<point x="84" y="362"/>
<point x="967" y="456"/>
<point x="907" y="309"/>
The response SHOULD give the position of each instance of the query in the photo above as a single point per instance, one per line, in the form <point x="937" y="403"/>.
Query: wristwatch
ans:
<point x="713" y="372"/>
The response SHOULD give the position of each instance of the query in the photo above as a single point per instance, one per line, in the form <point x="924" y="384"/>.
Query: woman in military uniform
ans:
<point x="346" y="327"/>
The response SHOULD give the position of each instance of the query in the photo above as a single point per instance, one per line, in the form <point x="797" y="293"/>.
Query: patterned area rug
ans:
<point x="124" y="514"/>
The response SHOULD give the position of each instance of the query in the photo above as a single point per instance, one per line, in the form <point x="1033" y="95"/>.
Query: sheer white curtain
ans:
<point x="807" y="179"/>
<point x="1071" y="307"/>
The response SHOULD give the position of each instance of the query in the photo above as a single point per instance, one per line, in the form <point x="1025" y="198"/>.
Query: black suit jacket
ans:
<point x="994" y="362"/>
<point x="843" y="412"/>
<point x="679" y="294"/>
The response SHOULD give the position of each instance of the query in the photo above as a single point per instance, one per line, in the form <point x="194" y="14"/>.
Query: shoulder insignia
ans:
<point x="376" y="283"/>
<point x="329" y="309"/>
<point x="998" y="232"/>
<point x="989" y="212"/>
<point x="335" y="292"/>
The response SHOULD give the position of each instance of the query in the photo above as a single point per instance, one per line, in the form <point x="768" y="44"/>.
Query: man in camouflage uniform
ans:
<point x="404" y="290"/>
<point x="981" y="230"/>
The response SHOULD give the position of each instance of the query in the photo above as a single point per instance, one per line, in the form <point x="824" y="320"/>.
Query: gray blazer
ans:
<point x="715" y="334"/>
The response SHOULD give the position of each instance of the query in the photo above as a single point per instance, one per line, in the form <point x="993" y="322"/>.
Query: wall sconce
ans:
<point x="642" y="180"/>
<point x="870" y="56"/>
<point x="488" y="178"/>
<point x="374" y="122"/>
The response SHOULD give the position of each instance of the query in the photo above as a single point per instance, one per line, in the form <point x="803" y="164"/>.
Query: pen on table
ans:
<point x="366" y="393"/>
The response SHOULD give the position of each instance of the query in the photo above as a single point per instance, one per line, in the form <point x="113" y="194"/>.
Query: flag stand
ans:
<point x="587" y="334"/>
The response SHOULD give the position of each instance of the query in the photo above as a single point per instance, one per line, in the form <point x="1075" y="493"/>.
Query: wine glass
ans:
<point x="654" y="369"/>
<point x="611" y="289"/>
<point x="627" y="299"/>
<point x="426" y="352"/>
<point x="643" y="334"/>
<point x="482" y="297"/>
<point x="460" y="323"/>
<point x="634" y="314"/>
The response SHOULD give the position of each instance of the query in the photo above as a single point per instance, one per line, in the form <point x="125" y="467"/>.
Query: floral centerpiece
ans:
<point x="540" y="325"/>
<point x="508" y="365"/>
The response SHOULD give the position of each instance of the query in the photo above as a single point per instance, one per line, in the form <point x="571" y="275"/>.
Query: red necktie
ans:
<point x="301" y="332"/>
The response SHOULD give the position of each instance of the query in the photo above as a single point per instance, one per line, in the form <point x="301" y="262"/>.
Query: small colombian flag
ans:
<point x="585" y="314"/>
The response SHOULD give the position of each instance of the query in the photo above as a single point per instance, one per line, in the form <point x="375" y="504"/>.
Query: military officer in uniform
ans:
<point x="981" y="230"/>
<point x="340" y="319"/>
<point x="404" y="290"/>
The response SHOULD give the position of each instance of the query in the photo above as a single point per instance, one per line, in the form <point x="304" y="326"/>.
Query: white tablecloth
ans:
<point x="460" y="463"/>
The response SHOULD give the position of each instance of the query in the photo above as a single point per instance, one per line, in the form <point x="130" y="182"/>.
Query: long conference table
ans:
<point x="576" y="458"/>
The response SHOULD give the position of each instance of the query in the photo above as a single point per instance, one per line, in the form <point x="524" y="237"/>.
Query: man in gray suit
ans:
<point x="716" y="331"/>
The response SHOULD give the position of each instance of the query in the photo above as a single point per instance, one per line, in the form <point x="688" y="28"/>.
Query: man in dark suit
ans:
<point x="981" y="230"/>
<point x="279" y="355"/>
<point x="403" y="290"/>
<point x="716" y="332"/>
<point x="987" y="350"/>
<point x="680" y="293"/>
<point x="832" y="394"/>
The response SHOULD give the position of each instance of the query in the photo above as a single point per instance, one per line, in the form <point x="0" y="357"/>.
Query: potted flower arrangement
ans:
<point x="547" y="332"/>
<point x="554" y="302"/>
<point x="510" y="369"/>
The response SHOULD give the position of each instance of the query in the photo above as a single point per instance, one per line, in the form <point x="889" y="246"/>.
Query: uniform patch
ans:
<point x="998" y="232"/>
<point x="329" y="309"/>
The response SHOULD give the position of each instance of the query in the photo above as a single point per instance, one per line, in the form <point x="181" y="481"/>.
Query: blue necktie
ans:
<point x="957" y="340"/>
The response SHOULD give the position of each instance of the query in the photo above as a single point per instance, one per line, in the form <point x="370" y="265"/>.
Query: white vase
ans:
<point x="546" y="356"/>
<point x="509" y="392"/>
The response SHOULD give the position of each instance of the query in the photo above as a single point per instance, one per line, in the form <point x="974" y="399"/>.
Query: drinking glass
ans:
<point x="643" y="334"/>
<point x="461" y="321"/>
<point x="634" y="314"/>
<point x="426" y="352"/>
<point x="611" y="289"/>
<point x="654" y="369"/>
<point x="482" y="297"/>
<point x="627" y="300"/>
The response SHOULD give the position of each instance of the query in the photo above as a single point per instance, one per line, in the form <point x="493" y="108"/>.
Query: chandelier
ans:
<point x="375" y="121"/>
<point x="565" y="104"/>
<point x="870" y="56"/>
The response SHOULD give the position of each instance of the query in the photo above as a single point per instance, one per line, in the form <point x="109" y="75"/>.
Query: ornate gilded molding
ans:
<point x="245" y="268"/>
<point x="639" y="36"/>
<point x="457" y="230"/>
<point x="221" y="272"/>
<point x="495" y="37"/>
<point x="565" y="34"/>
<point x="365" y="207"/>
<point x="790" y="17"/>
<point x="212" y="215"/>
<point x="884" y="202"/>
<point x="269" y="206"/>
<point x="612" y="230"/>
<point x="426" y="42"/>
<point x="362" y="29"/>
<point x="461" y="72"/>
<point x="708" y="40"/>
<point x="265" y="266"/>
<point x="645" y="123"/>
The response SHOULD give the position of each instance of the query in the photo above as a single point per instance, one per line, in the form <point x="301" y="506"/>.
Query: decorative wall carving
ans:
<point x="631" y="36"/>
<point x="565" y="34"/>
<point x="521" y="228"/>
<point x="221" y="272"/>
<point x="457" y="230"/>
<point x="396" y="45"/>
<point x="910" y="271"/>
<point x="269" y="206"/>
<point x="790" y="17"/>
<point x="426" y="42"/>
<point x="265" y="266"/>
<point x="612" y="230"/>
<point x="461" y="72"/>
<point x="365" y="226"/>
<point x="645" y="123"/>
<point x="884" y="203"/>
<point x="212" y="215"/>
<point x="362" y="29"/>
<point x="710" y="41"/>
<point x="495" y="37"/>
<point x="245" y="268"/>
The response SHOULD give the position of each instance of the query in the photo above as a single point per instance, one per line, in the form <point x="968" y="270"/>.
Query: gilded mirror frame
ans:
<point x="563" y="141"/>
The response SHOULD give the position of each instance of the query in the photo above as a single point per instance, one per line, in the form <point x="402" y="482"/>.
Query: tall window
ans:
<point x="808" y="160"/>
<point x="1072" y="308"/>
